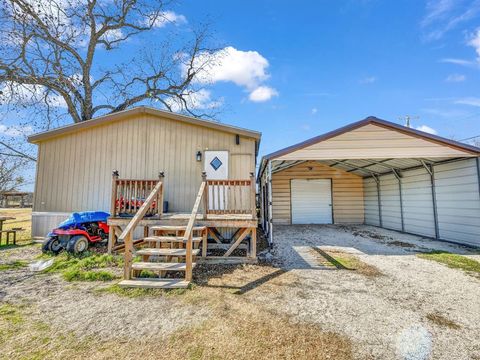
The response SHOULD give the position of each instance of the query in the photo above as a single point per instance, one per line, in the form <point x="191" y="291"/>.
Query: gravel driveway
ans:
<point x="390" y="316"/>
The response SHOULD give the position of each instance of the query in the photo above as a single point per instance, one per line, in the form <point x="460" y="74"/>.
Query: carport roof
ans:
<point x="379" y="162"/>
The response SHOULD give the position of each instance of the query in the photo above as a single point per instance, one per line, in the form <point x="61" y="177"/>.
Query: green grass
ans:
<point x="453" y="261"/>
<point x="139" y="292"/>
<point x="88" y="266"/>
<point x="13" y="265"/>
<point x="10" y="314"/>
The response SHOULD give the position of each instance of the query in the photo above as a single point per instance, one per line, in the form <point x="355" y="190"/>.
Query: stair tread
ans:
<point x="155" y="283"/>
<point x="166" y="252"/>
<point x="160" y="266"/>
<point x="179" y="227"/>
<point x="170" y="238"/>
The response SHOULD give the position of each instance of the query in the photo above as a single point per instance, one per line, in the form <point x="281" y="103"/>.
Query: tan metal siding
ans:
<point x="458" y="201"/>
<point x="371" y="202"/>
<point x="347" y="192"/>
<point x="417" y="202"/>
<point x="74" y="170"/>
<point x="390" y="202"/>
<point x="372" y="141"/>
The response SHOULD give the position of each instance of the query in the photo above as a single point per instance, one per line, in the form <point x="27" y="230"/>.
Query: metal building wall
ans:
<point x="417" y="202"/>
<point x="453" y="202"/>
<point x="390" y="202"/>
<point x="458" y="201"/>
<point x="371" y="202"/>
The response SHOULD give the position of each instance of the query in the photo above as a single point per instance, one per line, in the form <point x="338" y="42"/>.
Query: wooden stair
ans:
<point x="165" y="252"/>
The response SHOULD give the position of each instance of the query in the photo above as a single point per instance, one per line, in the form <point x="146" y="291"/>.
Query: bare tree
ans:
<point x="10" y="178"/>
<point x="49" y="64"/>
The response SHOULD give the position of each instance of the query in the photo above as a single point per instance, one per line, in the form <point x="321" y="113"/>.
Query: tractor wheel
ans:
<point x="52" y="244"/>
<point x="77" y="244"/>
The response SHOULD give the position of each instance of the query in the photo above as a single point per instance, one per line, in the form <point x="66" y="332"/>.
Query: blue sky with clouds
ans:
<point x="329" y="63"/>
<point x="294" y="71"/>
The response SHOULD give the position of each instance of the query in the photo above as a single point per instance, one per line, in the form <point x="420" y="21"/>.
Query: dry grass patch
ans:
<point x="23" y="219"/>
<point x="344" y="261"/>
<point x="441" y="320"/>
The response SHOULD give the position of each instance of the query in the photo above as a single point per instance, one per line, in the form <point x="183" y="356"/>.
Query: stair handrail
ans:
<point x="188" y="236"/>
<point x="126" y="234"/>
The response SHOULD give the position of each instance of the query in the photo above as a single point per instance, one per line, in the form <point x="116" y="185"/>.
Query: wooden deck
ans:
<point x="211" y="220"/>
<point x="174" y="242"/>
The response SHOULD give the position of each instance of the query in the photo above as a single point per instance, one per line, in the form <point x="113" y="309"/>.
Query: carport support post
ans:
<point x="431" y="171"/>
<point x="379" y="199"/>
<point x="270" y="205"/>
<point x="478" y="173"/>
<point x="397" y="175"/>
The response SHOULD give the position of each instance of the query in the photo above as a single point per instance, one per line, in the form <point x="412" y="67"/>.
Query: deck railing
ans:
<point x="127" y="233"/>
<point x="188" y="236"/>
<point x="128" y="195"/>
<point x="230" y="196"/>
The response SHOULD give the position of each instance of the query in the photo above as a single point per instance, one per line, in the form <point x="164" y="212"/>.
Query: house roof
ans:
<point x="469" y="150"/>
<point x="39" y="137"/>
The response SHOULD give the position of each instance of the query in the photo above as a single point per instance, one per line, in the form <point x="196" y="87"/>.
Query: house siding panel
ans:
<point x="347" y="192"/>
<point x="74" y="170"/>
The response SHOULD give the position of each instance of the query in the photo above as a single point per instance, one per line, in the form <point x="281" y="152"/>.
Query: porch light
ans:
<point x="199" y="156"/>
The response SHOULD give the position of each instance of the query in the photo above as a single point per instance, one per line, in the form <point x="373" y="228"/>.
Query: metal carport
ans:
<point x="412" y="181"/>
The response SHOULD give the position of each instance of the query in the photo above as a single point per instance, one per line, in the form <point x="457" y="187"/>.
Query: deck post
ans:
<point x="253" y="243"/>
<point x="111" y="230"/>
<point x="127" y="270"/>
<point x="205" y="195"/>
<point x="253" y="195"/>
<point x="161" y="177"/>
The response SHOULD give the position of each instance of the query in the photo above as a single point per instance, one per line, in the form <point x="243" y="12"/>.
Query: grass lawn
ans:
<point x="454" y="261"/>
<point x="23" y="219"/>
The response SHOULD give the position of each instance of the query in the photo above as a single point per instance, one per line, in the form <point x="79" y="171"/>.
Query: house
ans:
<point x="378" y="173"/>
<point x="157" y="158"/>
<point x="75" y="162"/>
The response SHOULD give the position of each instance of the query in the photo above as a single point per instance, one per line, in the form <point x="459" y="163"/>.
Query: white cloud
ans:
<point x="247" y="69"/>
<point x="165" y="18"/>
<point x="368" y="80"/>
<point x="28" y="94"/>
<point x="461" y="62"/>
<point x="472" y="101"/>
<point x="474" y="42"/>
<point x="445" y="15"/>
<point x="455" y="78"/>
<point x="262" y="93"/>
<point x="201" y="99"/>
<point x="427" y="129"/>
<point x="15" y="130"/>
<point x="314" y="111"/>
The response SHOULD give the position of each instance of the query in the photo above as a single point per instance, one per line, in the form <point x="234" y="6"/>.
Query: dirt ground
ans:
<point x="323" y="292"/>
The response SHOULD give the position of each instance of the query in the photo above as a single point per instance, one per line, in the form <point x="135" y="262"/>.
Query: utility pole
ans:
<point x="407" y="119"/>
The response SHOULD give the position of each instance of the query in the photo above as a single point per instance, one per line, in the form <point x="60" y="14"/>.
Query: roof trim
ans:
<point x="105" y="119"/>
<point x="375" y="121"/>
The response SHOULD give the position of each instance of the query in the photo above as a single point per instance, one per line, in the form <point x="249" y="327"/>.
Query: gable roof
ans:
<point x="105" y="119"/>
<point x="283" y="154"/>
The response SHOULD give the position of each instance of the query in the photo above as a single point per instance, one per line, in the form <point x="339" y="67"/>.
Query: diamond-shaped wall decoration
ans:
<point x="216" y="163"/>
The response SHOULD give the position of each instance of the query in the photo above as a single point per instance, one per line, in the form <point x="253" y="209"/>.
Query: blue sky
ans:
<point x="294" y="71"/>
<point x="335" y="62"/>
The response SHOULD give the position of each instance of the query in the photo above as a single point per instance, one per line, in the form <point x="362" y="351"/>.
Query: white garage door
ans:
<point x="311" y="201"/>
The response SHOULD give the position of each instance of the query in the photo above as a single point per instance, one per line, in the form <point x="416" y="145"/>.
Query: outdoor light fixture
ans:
<point x="237" y="139"/>
<point x="199" y="156"/>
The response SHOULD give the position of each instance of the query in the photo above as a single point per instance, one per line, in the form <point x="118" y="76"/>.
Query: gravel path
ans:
<point x="386" y="316"/>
